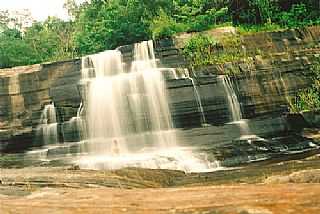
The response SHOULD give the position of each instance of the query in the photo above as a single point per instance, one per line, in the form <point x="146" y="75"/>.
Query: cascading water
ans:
<point x="48" y="127"/>
<point x="233" y="101"/>
<point x="122" y="104"/>
<point x="128" y="116"/>
<point x="199" y="102"/>
<point x="77" y="123"/>
<point x="172" y="73"/>
<point x="234" y="106"/>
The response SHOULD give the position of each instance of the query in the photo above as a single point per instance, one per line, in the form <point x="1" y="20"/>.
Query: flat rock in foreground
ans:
<point x="257" y="199"/>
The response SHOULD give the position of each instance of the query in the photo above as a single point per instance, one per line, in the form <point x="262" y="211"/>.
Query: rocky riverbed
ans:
<point x="280" y="187"/>
<point x="283" y="183"/>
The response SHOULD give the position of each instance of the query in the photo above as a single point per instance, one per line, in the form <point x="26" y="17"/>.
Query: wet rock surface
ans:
<point x="288" y="184"/>
<point x="251" y="189"/>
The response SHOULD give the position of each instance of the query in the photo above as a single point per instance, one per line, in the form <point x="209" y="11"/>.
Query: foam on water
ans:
<point x="174" y="158"/>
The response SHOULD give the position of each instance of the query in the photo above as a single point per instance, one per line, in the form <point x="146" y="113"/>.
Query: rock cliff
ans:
<point x="263" y="84"/>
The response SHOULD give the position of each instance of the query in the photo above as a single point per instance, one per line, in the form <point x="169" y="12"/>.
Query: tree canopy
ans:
<point x="97" y="25"/>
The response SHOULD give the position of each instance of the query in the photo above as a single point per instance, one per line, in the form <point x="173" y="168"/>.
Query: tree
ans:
<point x="47" y="41"/>
<point x="252" y="11"/>
<point x="51" y="40"/>
<point x="4" y="19"/>
<point x="14" y="50"/>
<point x="108" y="24"/>
<point x="73" y="8"/>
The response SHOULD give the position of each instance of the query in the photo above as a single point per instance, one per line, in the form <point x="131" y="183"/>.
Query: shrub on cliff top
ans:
<point x="165" y="26"/>
<point x="199" y="50"/>
<point x="308" y="99"/>
<point x="204" y="50"/>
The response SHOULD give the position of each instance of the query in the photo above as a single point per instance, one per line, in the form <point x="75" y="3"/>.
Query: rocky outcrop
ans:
<point x="25" y="90"/>
<point x="263" y="85"/>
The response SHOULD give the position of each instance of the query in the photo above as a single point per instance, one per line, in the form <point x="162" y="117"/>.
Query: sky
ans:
<point x="40" y="9"/>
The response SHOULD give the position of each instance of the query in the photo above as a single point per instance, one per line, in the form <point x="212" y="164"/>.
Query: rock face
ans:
<point x="25" y="90"/>
<point x="262" y="87"/>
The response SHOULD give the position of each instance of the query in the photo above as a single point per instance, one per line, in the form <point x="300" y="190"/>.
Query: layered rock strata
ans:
<point x="263" y="85"/>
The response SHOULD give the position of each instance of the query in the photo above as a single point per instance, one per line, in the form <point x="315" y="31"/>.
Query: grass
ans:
<point x="251" y="29"/>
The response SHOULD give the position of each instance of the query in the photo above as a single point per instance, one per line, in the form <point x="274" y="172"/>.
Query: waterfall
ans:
<point x="79" y="111"/>
<point x="77" y="124"/>
<point x="121" y="104"/>
<point x="232" y="98"/>
<point x="199" y="102"/>
<point x="128" y="117"/>
<point x="48" y="127"/>
<point x="234" y="106"/>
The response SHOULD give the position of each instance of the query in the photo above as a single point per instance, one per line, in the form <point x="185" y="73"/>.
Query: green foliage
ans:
<point x="208" y="20"/>
<point x="261" y="11"/>
<point x="199" y="50"/>
<point x="288" y="14"/>
<point x="296" y="17"/>
<point x="203" y="50"/>
<point x="308" y="99"/>
<point x="47" y="41"/>
<point x="189" y="16"/>
<point x="4" y="20"/>
<point x="248" y="29"/>
<point x="165" y="26"/>
<point x="256" y="12"/>
<point x="51" y="40"/>
<point x="105" y="25"/>
<point x="305" y="100"/>
<point x="15" y="51"/>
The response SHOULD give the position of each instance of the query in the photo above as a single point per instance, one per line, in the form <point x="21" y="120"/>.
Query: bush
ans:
<point x="165" y="26"/>
<point x="296" y="17"/>
<point x="210" y="19"/>
<point x="203" y="50"/>
<point x="199" y="50"/>
<point x="308" y="99"/>
<point x="256" y="12"/>
<point x="305" y="100"/>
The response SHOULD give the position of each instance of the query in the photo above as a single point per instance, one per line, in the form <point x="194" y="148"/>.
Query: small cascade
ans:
<point x="48" y="127"/>
<point x="233" y="101"/>
<point x="199" y="102"/>
<point x="79" y="111"/>
<point x="78" y="124"/>
<point x="234" y="106"/>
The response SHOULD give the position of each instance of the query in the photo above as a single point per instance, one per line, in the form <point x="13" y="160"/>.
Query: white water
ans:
<point x="199" y="102"/>
<point x="233" y="101"/>
<point x="174" y="159"/>
<point x="48" y="127"/>
<point x="129" y="120"/>
<point x="121" y="104"/>
<point x="234" y="106"/>
<point x="78" y="123"/>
